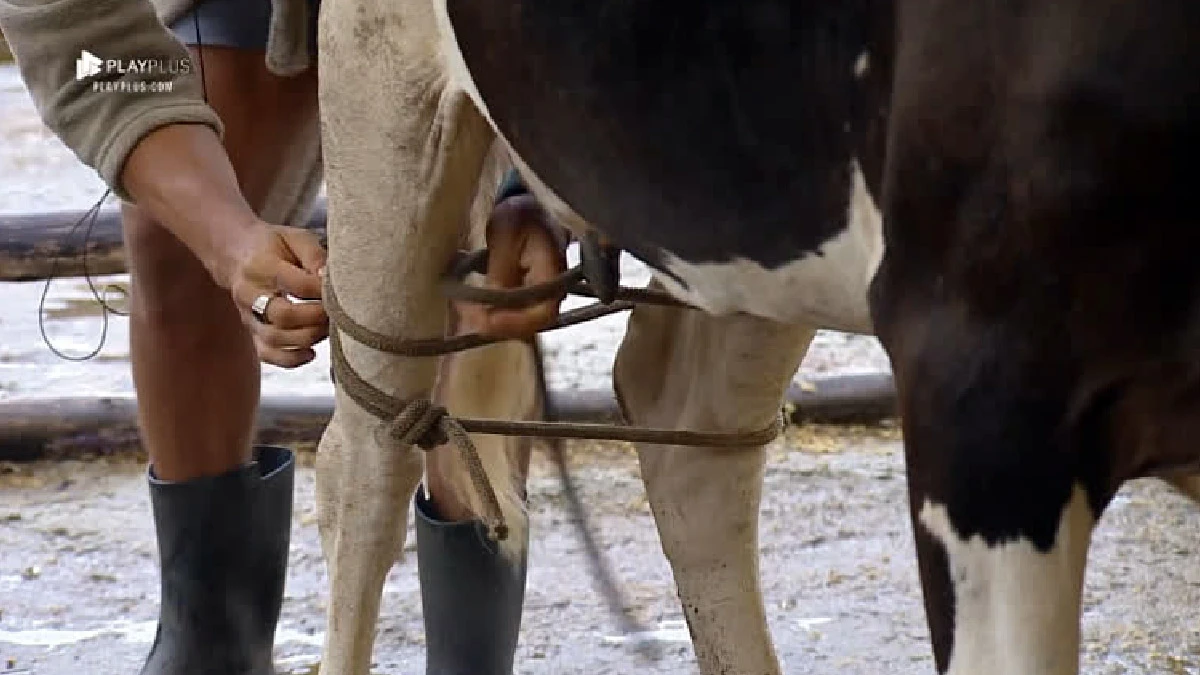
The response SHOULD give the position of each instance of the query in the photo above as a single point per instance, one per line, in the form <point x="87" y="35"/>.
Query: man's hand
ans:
<point x="182" y="176"/>
<point x="277" y="262"/>
<point x="523" y="250"/>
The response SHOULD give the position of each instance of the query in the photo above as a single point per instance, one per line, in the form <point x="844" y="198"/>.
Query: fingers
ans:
<point x="523" y="246"/>
<point x="298" y="282"/>
<point x="288" y="348"/>
<point x="286" y="314"/>
<point x="278" y="262"/>
<point x="292" y="346"/>
<point x="289" y="261"/>
<point x="285" y="358"/>
<point x="307" y="248"/>
<point x="522" y="251"/>
<point x="540" y="262"/>
<point x="505" y="241"/>
<point x="506" y="323"/>
<point x="472" y="318"/>
<point x="519" y="323"/>
<point x="291" y="330"/>
<point x="296" y="338"/>
<point x="281" y="313"/>
<point x="541" y="258"/>
<point x="291" y="323"/>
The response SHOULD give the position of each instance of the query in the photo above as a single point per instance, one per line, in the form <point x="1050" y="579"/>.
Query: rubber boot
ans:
<point x="471" y="596"/>
<point x="223" y="547"/>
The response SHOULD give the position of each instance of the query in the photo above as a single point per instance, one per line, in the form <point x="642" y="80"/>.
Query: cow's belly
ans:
<point x="827" y="289"/>
<point x="714" y="220"/>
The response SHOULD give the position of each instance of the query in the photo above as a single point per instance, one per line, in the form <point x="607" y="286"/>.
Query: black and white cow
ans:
<point x="1036" y="291"/>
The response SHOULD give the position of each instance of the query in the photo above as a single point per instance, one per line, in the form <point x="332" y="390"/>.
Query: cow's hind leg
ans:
<point x="404" y="151"/>
<point x="685" y="369"/>
<point x="1003" y="509"/>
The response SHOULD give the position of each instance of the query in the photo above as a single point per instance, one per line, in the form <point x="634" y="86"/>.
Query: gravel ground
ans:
<point x="78" y="585"/>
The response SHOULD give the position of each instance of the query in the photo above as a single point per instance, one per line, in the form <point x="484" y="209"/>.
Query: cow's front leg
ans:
<point x="1004" y="499"/>
<point x="404" y="151"/>
<point x="684" y="369"/>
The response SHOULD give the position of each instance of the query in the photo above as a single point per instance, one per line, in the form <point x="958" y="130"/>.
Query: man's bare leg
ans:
<point x="195" y="367"/>
<point x="223" y="523"/>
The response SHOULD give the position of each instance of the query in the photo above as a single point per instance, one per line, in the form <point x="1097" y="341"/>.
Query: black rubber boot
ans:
<point x="223" y="545"/>
<point x="470" y="594"/>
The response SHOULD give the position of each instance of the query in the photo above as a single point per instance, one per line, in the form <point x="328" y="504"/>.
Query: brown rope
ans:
<point x="422" y="347"/>
<point x="455" y="288"/>
<point x="420" y="422"/>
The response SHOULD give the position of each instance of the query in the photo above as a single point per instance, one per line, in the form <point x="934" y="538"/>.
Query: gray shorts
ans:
<point x="241" y="24"/>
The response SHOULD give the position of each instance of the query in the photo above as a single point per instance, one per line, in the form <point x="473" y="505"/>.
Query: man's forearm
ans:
<point x="181" y="175"/>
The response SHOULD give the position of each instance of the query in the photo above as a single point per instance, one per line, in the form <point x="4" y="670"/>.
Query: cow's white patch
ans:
<point x="1016" y="609"/>
<point x="827" y="290"/>
<point x="862" y="65"/>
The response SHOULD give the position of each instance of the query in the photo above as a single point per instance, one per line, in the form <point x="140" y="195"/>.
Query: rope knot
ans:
<point x="419" y="423"/>
<point x="427" y="425"/>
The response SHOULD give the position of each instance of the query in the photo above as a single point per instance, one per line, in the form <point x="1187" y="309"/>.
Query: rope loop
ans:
<point x="422" y="423"/>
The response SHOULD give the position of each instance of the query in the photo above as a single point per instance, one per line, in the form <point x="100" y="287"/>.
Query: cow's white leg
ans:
<point x="404" y="155"/>
<point x="1001" y="519"/>
<point x="686" y="369"/>
<point x="1003" y="495"/>
<point x="1015" y="606"/>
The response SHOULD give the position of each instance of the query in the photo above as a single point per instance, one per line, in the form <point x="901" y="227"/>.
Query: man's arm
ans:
<point x="162" y="148"/>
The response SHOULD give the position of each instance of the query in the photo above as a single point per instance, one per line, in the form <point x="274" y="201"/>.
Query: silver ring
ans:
<point x="259" y="307"/>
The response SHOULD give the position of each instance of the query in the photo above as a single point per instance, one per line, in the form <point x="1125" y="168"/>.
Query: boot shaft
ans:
<point x="223" y="547"/>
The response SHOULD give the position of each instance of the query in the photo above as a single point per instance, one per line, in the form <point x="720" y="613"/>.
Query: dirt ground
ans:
<point x="78" y="577"/>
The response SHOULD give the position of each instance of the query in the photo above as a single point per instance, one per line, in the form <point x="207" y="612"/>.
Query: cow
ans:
<point x="994" y="190"/>
<point x="1037" y="299"/>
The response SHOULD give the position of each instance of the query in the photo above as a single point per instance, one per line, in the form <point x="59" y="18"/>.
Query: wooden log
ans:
<point x="49" y="245"/>
<point x="845" y="399"/>
<point x="69" y="427"/>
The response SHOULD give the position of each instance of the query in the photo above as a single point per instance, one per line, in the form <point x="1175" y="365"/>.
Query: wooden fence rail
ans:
<point x="51" y="245"/>
<point x="56" y="428"/>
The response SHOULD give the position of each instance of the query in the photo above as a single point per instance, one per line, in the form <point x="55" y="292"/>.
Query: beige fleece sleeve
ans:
<point x="102" y="117"/>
